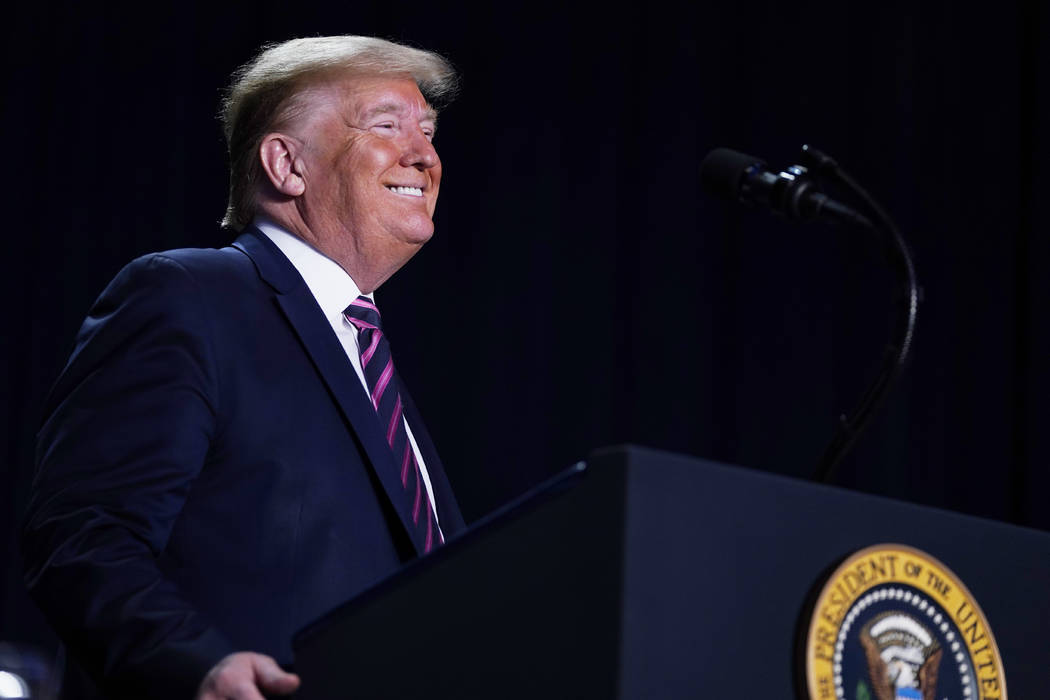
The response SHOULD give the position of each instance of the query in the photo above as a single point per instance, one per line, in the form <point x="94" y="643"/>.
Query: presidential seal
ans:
<point x="893" y="623"/>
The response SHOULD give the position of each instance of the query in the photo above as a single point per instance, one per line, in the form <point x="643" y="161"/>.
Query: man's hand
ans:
<point x="246" y="676"/>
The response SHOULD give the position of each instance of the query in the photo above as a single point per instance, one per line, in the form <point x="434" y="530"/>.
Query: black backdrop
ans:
<point x="580" y="290"/>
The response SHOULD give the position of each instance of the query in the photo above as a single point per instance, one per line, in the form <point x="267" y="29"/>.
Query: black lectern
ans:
<point x="653" y="575"/>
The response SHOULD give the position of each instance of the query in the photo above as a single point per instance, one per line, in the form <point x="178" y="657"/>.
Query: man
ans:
<point x="229" y="452"/>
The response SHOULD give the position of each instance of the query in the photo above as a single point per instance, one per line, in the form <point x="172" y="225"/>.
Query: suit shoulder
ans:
<point x="176" y="288"/>
<point x="205" y="265"/>
<point x="179" y="275"/>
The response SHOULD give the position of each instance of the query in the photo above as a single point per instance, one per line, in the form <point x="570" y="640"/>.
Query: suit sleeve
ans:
<point x="127" y="430"/>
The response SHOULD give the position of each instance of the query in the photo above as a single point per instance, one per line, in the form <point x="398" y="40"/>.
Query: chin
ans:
<point x="418" y="235"/>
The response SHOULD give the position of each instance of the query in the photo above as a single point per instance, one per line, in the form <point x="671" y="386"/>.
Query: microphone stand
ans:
<point x="896" y="352"/>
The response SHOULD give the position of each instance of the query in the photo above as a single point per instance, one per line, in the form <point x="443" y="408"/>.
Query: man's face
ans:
<point x="371" y="172"/>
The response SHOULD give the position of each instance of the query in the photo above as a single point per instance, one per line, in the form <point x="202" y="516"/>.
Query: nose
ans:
<point x="419" y="152"/>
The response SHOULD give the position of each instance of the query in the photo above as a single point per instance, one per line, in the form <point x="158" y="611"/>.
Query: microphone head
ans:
<point x="722" y="172"/>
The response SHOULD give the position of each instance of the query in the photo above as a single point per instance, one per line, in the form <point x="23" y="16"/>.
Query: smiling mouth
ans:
<point x="410" y="191"/>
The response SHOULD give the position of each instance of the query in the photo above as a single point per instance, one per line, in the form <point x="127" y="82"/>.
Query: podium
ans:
<point x="644" y="574"/>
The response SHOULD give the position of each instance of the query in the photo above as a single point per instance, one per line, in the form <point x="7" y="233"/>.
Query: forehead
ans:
<point x="360" y="97"/>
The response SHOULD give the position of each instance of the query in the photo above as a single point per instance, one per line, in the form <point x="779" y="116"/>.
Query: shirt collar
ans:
<point x="331" y="286"/>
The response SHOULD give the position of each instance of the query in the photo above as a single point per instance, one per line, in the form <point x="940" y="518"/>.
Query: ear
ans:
<point x="278" y="154"/>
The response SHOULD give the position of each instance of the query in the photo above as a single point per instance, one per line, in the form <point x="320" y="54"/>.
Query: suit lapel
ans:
<point x="300" y="308"/>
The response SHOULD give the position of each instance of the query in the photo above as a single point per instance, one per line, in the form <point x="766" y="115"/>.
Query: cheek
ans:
<point x="362" y="179"/>
<point x="367" y="159"/>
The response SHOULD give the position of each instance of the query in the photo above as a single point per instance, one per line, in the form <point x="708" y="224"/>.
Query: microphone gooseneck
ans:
<point x="794" y="193"/>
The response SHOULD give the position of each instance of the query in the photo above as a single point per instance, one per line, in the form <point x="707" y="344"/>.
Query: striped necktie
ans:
<point x="385" y="394"/>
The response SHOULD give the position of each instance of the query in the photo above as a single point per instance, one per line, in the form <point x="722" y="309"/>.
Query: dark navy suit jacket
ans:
<point x="211" y="475"/>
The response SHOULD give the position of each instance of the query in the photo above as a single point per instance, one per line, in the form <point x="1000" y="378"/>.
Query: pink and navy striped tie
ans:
<point x="385" y="394"/>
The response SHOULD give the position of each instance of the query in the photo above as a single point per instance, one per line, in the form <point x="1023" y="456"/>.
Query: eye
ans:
<point x="388" y="127"/>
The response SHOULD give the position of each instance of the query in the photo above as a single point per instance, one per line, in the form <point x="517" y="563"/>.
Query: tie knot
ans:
<point x="363" y="314"/>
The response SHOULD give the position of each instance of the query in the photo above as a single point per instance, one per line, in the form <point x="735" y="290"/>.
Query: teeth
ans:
<point x="413" y="191"/>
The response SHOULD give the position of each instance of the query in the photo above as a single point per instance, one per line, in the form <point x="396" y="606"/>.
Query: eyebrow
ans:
<point x="429" y="114"/>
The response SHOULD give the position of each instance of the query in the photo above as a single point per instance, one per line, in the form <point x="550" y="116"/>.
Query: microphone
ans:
<point x="792" y="192"/>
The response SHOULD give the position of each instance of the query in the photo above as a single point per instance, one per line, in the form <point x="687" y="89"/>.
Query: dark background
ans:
<point x="580" y="289"/>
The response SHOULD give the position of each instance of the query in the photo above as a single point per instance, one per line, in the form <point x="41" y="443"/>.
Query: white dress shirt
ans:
<point x="333" y="289"/>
